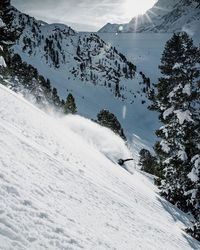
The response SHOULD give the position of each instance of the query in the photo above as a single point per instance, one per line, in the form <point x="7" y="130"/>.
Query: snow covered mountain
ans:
<point x="61" y="189"/>
<point x="92" y="70"/>
<point x="164" y="16"/>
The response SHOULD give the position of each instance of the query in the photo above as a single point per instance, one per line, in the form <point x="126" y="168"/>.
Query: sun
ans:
<point x="134" y="8"/>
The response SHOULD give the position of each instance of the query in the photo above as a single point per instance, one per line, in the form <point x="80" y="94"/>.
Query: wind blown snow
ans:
<point x="168" y="112"/>
<point x="187" y="89"/>
<point x="164" y="146"/>
<point x="2" y="62"/>
<point x="100" y="138"/>
<point x="60" y="190"/>
<point x="183" y="116"/>
<point x="2" y="24"/>
<point x="177" y="66"/>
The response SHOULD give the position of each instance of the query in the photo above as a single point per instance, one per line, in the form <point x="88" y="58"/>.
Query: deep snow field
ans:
<point x="60" y="187"/>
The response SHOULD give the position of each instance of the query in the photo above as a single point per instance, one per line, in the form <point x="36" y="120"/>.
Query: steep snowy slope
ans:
<point x="60" y="190"/>
<point x="144" y="48"/>
<point x="95" y="73"/>
<point x="164" y="16"/>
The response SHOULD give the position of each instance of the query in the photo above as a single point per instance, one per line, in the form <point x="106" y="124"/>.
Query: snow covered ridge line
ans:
<point x="87" y="57"/>
<point x="164" y="16"/>
<point x="84" y="57"/>
<point x="64" y="174"/>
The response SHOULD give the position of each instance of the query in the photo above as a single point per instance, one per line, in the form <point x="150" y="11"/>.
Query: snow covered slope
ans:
<point x="164" y="16"/>
<point x="60" y="190"/>
<point x="145" y="49"/>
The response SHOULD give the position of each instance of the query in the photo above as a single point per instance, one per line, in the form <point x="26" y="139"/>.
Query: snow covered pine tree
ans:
<point x="177" y="101"/>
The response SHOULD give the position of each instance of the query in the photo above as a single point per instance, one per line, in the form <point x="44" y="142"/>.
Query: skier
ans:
<point x="121" y="161"/>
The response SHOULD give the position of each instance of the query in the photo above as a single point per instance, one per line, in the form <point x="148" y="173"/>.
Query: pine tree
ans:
<point x="148" y="162"/>
<point x="109" y="120"/>
<point x="78" y="50"/>
<point x="177" y="101"/>
<point x="70" y="105"/>
<point x="194" y="231"/>
<point x="55" y="97"/>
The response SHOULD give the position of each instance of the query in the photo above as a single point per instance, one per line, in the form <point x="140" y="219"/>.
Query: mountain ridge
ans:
<point x="164" y="16"/>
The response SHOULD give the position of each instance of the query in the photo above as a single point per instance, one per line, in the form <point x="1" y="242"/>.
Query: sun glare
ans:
<point x="134" y="8"/>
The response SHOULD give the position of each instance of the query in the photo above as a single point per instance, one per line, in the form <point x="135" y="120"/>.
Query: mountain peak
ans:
<point x="164" y="16"/>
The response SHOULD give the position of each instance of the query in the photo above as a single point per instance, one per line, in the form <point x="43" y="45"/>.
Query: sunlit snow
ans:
<point x="62" y="189"/>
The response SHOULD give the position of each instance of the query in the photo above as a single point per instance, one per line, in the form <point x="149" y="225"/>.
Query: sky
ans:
<point x="84" y="15"/>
